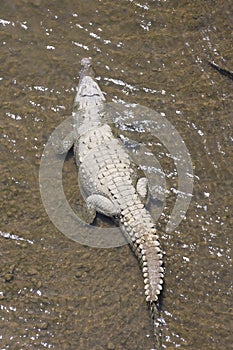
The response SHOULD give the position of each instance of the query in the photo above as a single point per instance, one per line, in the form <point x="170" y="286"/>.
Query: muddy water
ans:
<point x="58" y="294"/>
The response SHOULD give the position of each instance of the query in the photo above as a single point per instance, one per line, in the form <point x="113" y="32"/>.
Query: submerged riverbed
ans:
<point x="59" y="294"/>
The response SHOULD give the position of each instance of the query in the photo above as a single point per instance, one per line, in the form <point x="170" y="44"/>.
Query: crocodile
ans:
<point x="111" y="182"/>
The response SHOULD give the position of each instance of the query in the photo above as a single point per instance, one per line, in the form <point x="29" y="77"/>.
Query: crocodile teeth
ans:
<point x="147" y="292"/>
<point x="144" y="269"/>
<point x="161" y="269"/>
<point x="146" y="280"/>
<point x="145" y="275"/>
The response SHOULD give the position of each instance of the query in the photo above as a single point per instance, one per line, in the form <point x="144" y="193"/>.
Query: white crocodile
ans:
<point x="110" y="181"/>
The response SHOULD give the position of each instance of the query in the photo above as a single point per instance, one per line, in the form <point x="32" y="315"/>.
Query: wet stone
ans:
<point x="32" y="271"/>
<point x="8" y="277"/>
<point x="42" y="325"/>
<point x="82" y="271"/>
<point x="79" y="274"/>
<point x="110" y="346"/>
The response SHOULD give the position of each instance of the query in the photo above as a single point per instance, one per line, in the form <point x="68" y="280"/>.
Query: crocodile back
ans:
<point x="107" y="169"/>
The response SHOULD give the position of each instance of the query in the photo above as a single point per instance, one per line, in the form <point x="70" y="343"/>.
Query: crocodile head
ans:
<point x="88" y="91"/>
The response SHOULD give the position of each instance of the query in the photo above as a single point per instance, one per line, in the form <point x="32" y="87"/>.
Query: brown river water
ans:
<point x="56" y="293"/>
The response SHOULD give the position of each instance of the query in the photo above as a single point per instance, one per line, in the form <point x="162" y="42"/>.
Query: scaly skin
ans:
<point x="110" y="182"/>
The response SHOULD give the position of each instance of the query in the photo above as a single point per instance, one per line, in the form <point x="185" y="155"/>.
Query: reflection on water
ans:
<point x="61" y="295"/>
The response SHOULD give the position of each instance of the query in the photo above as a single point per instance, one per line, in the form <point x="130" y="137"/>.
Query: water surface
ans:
<point x="60" y="295"/>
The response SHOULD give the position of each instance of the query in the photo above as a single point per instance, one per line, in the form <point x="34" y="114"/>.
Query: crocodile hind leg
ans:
<point x="101" y="204"/>
<point x="142" y="188"/>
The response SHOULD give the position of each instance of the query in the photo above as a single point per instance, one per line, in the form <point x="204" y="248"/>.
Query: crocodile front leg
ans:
<point x="63" y="146"/>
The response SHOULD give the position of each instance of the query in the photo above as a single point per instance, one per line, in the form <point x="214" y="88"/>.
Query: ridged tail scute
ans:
<point x="144" y="241"/>
<point x="151" y="266"/>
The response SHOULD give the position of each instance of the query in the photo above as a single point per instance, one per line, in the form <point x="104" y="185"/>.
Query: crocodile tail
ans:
<point x="155" y="315"/>
<point x="147" y="249"/>
<point x="151" y="266"/>
<point x="141" y="233"/>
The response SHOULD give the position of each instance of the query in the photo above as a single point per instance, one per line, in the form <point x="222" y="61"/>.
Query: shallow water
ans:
<point x="55" y="293"/>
